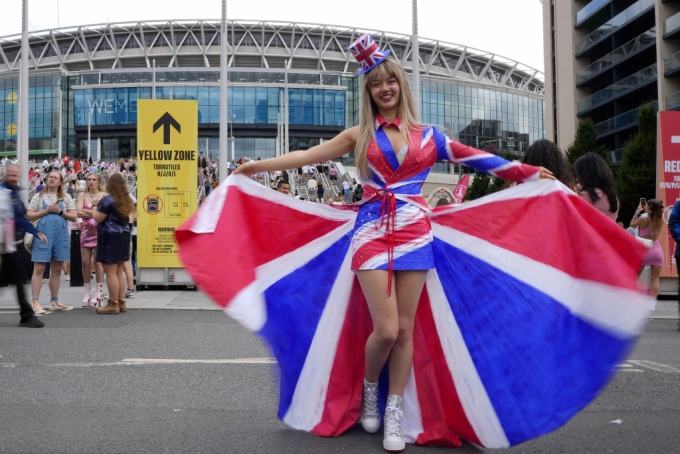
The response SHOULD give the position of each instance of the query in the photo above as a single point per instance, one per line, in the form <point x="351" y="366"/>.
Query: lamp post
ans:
<point x="224" y="107"/>
<point x="415" y="58"/>
<point x="232" y="139"/>
<point x="22" y="138"/>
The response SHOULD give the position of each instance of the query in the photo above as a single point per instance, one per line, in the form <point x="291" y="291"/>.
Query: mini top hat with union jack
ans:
<point x="367" y="53"/>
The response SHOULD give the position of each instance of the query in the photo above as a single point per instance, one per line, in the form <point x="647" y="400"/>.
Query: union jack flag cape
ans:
<point x="531" y="306"/>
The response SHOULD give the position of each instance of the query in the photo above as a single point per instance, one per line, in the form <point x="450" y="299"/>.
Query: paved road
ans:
<point x="84" y="384"/>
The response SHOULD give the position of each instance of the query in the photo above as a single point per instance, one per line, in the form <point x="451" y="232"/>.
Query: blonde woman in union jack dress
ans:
<point x="392" y="250"/>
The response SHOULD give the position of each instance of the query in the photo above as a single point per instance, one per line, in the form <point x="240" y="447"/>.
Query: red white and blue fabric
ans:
<point x="367" y="53"/>
<point x="392" y="230"/>
<point x="522" y="321"/>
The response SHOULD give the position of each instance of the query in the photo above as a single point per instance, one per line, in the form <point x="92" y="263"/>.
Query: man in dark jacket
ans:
<point x="13" y="261"/>
<point x="674" y="228"/>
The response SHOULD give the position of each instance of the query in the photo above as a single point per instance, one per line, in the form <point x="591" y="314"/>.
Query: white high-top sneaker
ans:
<point x="394" y="437"/>
<point x="370" y="415"/>
<point x="88" y="296"/>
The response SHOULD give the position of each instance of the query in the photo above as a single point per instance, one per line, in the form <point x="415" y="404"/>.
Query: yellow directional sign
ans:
<point x="167" y="161"/>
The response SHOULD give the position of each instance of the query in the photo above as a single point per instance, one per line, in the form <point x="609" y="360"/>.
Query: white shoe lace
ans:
<point x="370" y="407"/>
<point x="393" y="422"/>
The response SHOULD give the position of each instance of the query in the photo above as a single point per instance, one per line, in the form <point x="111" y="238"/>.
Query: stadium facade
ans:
<point x="90" y="77"/>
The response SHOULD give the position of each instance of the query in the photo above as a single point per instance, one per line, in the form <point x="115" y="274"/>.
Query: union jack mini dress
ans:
<point x="392" y="229"/>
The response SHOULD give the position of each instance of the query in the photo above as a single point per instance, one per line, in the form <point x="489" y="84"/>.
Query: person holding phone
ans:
<point x="51" y="208"/>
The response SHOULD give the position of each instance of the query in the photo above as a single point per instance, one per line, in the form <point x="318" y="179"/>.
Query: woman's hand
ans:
<point x="639" y="209"/>
<point x="246" y="169"/>
<point x="54" y="208"/>
<point x="546" y="174"/>
<point x="42" y="238"/>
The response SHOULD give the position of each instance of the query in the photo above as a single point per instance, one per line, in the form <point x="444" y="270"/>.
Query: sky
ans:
<point x="509" y="28"/>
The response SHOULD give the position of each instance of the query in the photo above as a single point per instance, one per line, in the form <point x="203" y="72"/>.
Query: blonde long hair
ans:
<point x="60" y="189"/>
<point x="100" y="187"/>
<point x="406" y="111"/>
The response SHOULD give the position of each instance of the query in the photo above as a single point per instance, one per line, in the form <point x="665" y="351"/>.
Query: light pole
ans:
<point x="232" y="139"/>
<point x="89" y="121"/>
<point x="224" y="107"/>
<point x="286" y="117"/>
<point x="22" y="138"/>
<point x="415" y="58"/>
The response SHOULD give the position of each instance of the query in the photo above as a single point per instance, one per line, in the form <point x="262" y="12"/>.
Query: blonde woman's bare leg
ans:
<point x="409" y="286"/>
<point x="385" y="316"/>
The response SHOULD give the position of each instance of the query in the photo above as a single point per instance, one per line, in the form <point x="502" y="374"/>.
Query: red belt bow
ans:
<point x="388" y="218"/>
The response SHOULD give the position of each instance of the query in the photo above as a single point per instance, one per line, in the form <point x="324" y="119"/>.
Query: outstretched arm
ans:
<point x="490" y="164"/>
<point x="340" y="145"/>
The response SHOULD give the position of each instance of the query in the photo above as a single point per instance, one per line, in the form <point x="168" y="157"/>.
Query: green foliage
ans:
<point x="495" y="185"/>
<point x="585" y="140"/>
<point x="479" y="186"/>
<point x="636" y="176"/>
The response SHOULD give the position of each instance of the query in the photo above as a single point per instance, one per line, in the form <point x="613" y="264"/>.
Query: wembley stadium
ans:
<point x="90" y="77"/>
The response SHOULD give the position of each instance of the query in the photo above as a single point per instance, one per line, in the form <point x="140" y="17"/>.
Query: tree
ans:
<point x="636" y="176"/>
<point x="479" y="186"/>
<point x="495" y="185"/>
<point x="585" y="140"/>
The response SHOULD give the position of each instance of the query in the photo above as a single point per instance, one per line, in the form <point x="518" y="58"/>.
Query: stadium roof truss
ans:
<point x="252" y="44"/>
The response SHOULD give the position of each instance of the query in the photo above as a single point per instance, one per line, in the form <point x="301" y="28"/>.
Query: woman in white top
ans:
<point x="52" y="208"/>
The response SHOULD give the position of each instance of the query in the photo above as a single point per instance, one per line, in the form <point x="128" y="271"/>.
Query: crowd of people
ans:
<point x="75" y="215"/>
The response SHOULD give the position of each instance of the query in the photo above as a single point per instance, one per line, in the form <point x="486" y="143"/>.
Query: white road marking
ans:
<point x="151" y="361"/>
<point x="623" y="365"/>
<point x="656" y="366"/>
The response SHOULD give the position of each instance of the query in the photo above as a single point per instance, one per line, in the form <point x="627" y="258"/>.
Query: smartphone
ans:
<point x="643" y="202"/>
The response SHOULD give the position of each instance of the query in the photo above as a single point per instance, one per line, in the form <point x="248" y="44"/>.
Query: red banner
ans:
<point x="461" y="189"/>
<point x="668" y="181"/>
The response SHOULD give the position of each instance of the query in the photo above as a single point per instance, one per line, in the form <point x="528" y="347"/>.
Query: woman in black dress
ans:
<point x="113" y="239"/>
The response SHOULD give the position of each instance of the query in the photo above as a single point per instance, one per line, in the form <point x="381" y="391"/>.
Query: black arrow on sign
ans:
<point x="166" y="121"/>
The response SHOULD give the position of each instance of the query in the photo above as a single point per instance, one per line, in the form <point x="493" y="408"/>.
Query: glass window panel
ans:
<point x="214" y="114"/>
<point x="339" y="117"/>
<point x="145" y="93"/>
<point x="239" y="96"/>
<point x="328" y="116"/>
<point x="240" y="113"/>
<point x="261" y="114"/>
<point x="294" y="115"/>
<point x="250" y="113"/>
<point x="180" y="92"/>
<point x="273" y="96"/>
<point x="261" y="96"/>
<point x="250" y="98"/>
<point x="272" y="114"/>
<point x="203" y="96"/>
<point x="294" y="97"/>
<point x="203" y="113"/>
<point x="307" y="116"/>
<point x="192" y="92"/>
<point x="307" y="99"/>
<point x="339" y="99"/>
<point x="166" y="92"/>
<point x="214" y="96"/>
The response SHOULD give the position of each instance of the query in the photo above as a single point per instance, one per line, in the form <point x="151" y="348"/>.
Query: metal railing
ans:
<point x="589" y="9"/>
<point x="620" y="121"/>
<point x="672" y="23"/>
<point x="614" y="90"/>
<point x="673" y="101"/>
<point x="616" y="156"/>
<point x="671" y="62"/>
<point x="613" y="24"/>
<point x="644" y="40"/>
